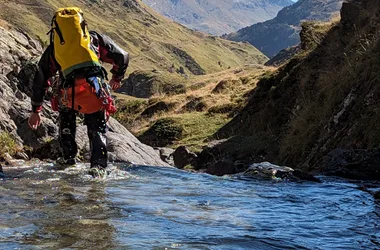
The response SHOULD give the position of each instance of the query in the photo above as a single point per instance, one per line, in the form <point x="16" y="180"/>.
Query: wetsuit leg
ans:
<point x="96" y="129"/>
<point x="67" y="131"/>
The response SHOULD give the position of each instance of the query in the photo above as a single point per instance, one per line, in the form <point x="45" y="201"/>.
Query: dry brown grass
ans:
<point x="4" y="24"/>
<point x="199" y="125"/>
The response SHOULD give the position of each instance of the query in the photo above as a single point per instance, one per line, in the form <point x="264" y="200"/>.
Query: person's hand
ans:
<point x="114" y="83"/>
<point x="34" y="120"/>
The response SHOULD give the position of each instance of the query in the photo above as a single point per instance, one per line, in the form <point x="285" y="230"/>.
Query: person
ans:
<point x="82" y="87"/>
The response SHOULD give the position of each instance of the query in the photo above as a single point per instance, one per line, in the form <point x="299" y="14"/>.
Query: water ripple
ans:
<point x="43" y="206"/>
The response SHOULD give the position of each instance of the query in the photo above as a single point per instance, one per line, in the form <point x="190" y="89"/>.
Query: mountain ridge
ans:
<point x="218" y="16"/>
<point x="154" y="42"/>
<point x="282" y="32"/>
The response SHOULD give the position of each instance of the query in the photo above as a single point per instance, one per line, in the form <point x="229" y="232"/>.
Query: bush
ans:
<point x="173" y="88"/>
<point x="128" y="111"/>
<point x="223" y="109"/>
<point x="7" y="144"/>
<point x="163" y="132"/>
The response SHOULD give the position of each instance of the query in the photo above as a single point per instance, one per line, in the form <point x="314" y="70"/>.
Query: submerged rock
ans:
<point x="268" y="170"/>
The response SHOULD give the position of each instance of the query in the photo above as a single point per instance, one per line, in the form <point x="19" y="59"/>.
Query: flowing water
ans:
<point x="137" y="207"/>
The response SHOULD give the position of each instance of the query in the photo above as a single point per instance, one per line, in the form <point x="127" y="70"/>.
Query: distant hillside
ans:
<point x="218" y="16"/>
<point x="154" y="42"/>
<point x="272" y="36"/>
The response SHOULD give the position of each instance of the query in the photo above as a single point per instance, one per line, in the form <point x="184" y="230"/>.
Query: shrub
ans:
<point x="7" y="144"/>
<point x="163" y="132"/>
<point x="223" y="109"/>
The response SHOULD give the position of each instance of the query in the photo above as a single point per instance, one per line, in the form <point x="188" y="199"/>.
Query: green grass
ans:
<point x="198" y="127"/>
<point x="7" y="144"/>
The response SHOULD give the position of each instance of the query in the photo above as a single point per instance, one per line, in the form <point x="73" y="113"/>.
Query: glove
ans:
<point x="34" y="120"/>
<point x="115" y="83"/>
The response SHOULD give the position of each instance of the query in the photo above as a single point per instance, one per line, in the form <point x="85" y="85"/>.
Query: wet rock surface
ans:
<point x="353" y="164"/>
<point x="183" y="157"/>
<point x="266" y="170"/>
<point x="221" y="168"/>
<point x="166" y="154"/>
<point x="377" y="195"/>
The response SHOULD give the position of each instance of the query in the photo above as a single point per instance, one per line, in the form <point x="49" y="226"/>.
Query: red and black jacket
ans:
<point x="105" y="48"/>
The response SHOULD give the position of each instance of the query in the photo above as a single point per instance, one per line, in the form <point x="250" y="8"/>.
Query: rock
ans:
<point x="13" y="162"/>
<point x="194" y="104"/>
<point x="48" y="150"/>
<point x="305" y="176"/>
<point x="21" y="156"/>
<point x="268" y="170"/>
<point x="283" y="56"/>
<point x="133" y="5"/>
<point x="183" y="157"/>
<point x="162" y="133"/>
<point x="222" y="168"/>
<point x="26" y="74"/>
<point x="15" y="52"/>
<point x="225" y="85"/>
<point x="19" y="95"/>
<point x="127" y="148"/>
<point x="377" y="195"/>
<point x="145" y="84"/>
<point x="353" y="164"/>
<point x="140" y="84"/>
<point x="156" y="108"/>
<point x="122" y="146"/>
<point x="166" y="155"/>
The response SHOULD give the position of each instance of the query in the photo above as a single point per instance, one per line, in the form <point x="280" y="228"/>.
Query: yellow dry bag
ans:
<point x="72" y="41"/>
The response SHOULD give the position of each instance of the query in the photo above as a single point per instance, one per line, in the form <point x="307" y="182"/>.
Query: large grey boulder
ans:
<point x="17" y="49"/>
<point x="122" y="146"/>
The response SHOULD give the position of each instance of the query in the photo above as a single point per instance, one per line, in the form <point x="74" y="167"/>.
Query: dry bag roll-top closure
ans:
<point x="72" y="50"/>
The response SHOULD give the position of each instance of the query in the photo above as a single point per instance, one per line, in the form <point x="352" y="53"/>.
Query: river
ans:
<point x="140" y="207"/>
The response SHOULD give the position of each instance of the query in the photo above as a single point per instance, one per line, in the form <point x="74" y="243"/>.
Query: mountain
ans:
<point x="320" y="110"/>
<point x="281" y="32"/>
<point x="218" y="16"/>
<point x="154" y="42"/>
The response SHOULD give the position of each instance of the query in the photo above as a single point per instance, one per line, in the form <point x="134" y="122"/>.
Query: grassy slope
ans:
<point x="139" y="30"/>
<point x="217" y="107"/>
<point x="325" y="100"/>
